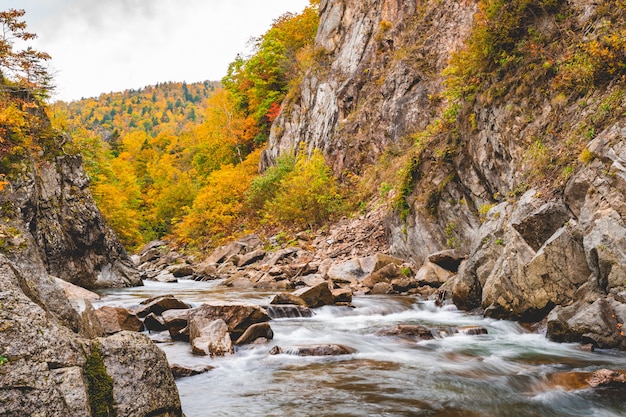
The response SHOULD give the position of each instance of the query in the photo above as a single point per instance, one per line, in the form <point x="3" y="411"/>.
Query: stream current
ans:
<point x="508" y="372"/>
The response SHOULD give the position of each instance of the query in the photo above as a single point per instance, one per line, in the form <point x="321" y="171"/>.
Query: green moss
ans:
<point x="100" y="385"/>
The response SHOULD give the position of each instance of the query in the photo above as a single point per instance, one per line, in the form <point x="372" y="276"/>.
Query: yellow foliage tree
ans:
<point x="217" y="212"/>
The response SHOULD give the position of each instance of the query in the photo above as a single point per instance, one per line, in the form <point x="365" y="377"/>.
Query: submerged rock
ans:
<point x="182" y="371"/>
<point x="314" y="350"/>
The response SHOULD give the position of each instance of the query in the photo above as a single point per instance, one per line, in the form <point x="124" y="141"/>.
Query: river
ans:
<point x="508" y="372"/>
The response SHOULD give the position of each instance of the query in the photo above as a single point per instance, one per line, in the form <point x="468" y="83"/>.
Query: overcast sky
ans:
<point x="99" y="46"/>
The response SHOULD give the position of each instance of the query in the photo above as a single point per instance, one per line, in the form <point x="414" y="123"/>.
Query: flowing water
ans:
<point x="508" y="372"/>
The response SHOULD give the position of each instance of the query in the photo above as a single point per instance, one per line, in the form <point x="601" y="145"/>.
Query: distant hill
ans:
<point x="169" y="106"/>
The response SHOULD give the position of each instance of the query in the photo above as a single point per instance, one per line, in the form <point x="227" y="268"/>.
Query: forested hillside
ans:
<point x="181" y="160"/>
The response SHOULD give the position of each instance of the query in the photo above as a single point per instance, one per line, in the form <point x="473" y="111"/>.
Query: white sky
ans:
<point x="99" y="46"/>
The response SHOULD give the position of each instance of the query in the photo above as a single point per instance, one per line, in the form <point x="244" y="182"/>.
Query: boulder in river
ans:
<point x="182" y="371"/>
<point x="155" y="323"/>
<point x="237" y="317"/>
<point x="116" y="319"/>
<point x="254" y="332"/>
<point x="209" y="337"/>
<point x="158" y="305"/>
<point x="408" y="331"/>
<point x="316" y="350"/>
<point x="316" y="296"/>
<point x="288" y="298"/>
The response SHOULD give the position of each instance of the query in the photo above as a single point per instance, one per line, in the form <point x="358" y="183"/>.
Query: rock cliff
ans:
<point x="53" y="358"/>
<point x="525" y="174"/>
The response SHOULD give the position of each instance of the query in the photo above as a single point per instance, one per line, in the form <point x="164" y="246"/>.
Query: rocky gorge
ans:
<point x="470" y="222"/>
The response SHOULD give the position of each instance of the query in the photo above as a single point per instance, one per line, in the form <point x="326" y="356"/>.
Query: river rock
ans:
<point x="449" y="259"/>
<point x="209" y="337"/>
<point x="288" y="298"/>
<point x="224" y="253"/>
<point x="605" y="378"/>
<point x="254" y="332"/>
<point x="599" y="323"/>
<point x="116" y="319"/>
<point x="371" y="264"/>
<point x="408" y="331"/>
<point x="342" y="296"/>
<point x="176" y="323"/>
<point x="183" y="371"/>
<point x="432" y="275"/>
<point x="237" y="317"/>
<point x="137" y="367"/>
<point x="471" y="330"/>
<point x="382" y="288"/>
<point x="180" y="270"/>
<point x="152" y="322"/>
<point x="346" y="272"/>
<point x="316" y="296"/>
<point x="251" y="257"/>
<point x="282" y="311"/>
<point x="165" y="276"/>
<point x="159" y="304"/>
<point x="318" y="350"/>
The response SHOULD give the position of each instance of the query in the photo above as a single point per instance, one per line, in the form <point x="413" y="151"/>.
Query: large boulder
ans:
<point x="255" y="332"/>
<point x="137" y="367"/>
<point x="237" y="317"/>
<point x="116" y="319"/>
<point x="158" y="305"/>
<point x="317" y="296"/>
<point x="599" y="323"/>
<point x="67" y="374"/>
<point x="209" y="337"/>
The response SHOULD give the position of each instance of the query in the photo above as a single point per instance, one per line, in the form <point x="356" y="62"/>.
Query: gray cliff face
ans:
<point x="373" y="87"/>
<point x="537" y="248"/>
<point x="49" y="201"/>
<point x="51" y="349"/>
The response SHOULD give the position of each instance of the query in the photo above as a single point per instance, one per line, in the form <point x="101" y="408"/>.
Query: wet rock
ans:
<point x="466" y="291"/>
<point x="346" y="272"/>
<point x="448" y="260"/>
<point x="223" y="253"/>
<point x="288" y="298"/>
<point x="433" y="275"/>
<point x="342" y="296"/>
<point x="164" y="276"/>
<point x="183" y="371"/>
<point x="237" y="317"/>
<point x="209" y="337"/>
<point x="311" y="280"/>
<point x="254" y="332"/>
<point x="383" y="275"/>
<point x="605" y="378"/>
<point x="251" y="257"/>
<point x="158" y="305"/>
<point x="401" y="285"/>
<point x="276" y="350"/>
<point x="382" y="288"/>
<point x="408" y="331"/>
<point x="116" y="319"/>
<point x="143" y="384"/>
<point x="316" y="296"/>
<point x="283" y="311"/>
<point x="180" y="270"/>
<point x="152" y="322"/>
<point x="471" y="330"/>
<point x="319" y="350"/>
<point x="371" y="264"/>
<point x="599" y="323"/>
<point x="176" y="323"/>
<point x="150" y="255"/>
